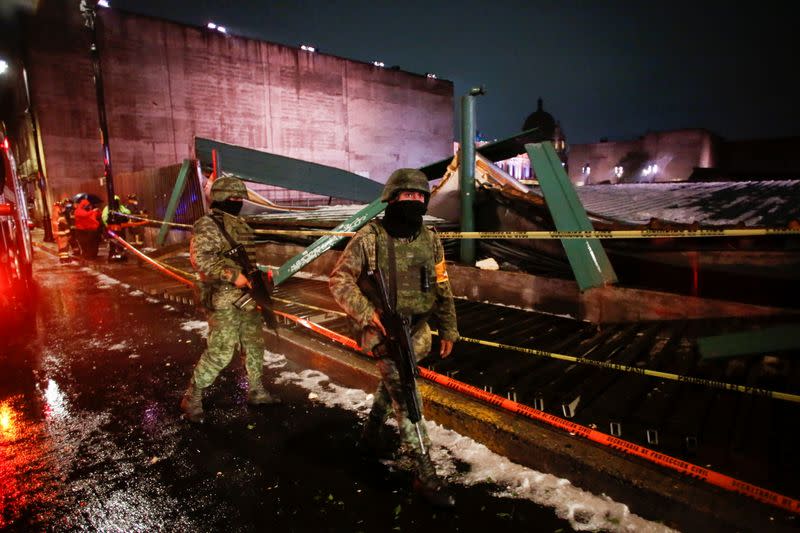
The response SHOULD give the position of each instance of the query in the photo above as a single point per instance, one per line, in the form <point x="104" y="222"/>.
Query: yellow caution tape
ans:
<point x="641" y="371"/>
<point x="137" y="217"/>
<point x="309" y="306"/>
<point x="595" y="234"/>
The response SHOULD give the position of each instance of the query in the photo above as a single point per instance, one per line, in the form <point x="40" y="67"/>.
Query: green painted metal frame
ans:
<point x="177" y="191"/>
<point x="587" y="257"/>
<point x="289" y="173"/>
<point x="768" y="340"/>
<point x="323" y="244"/>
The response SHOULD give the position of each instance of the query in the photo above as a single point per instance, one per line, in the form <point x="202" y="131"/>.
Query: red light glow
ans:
<point x="8" y="422"/>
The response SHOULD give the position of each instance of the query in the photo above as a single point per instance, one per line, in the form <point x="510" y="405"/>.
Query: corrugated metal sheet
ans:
<point x="752" y="203"/>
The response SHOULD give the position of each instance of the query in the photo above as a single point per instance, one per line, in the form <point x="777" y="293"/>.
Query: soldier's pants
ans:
<point x="388" y="397"/>
<point x="228" y="328"/>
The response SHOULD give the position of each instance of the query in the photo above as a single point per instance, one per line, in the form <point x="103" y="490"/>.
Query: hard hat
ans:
<point x="405" y="179"/>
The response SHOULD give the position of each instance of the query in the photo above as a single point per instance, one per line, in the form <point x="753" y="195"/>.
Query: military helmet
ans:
<point x="227" y="187"/>
<point x="405" y="179"/>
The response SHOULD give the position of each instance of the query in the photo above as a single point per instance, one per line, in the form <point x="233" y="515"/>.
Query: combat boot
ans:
<point x="258" y="395"/>
<point x="430" y="486"/>
<point x="192" y="403"/>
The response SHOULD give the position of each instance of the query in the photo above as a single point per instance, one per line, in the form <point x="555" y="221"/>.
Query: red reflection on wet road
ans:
<point x="25" y="472"/>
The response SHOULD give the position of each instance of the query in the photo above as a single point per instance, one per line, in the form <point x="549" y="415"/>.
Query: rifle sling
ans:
<point x="233" y="244"/>
<point x="392" y="256"/>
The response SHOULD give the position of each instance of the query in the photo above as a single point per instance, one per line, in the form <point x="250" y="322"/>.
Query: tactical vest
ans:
<point x="415" y="271"/>
<point x="215" y="294"/>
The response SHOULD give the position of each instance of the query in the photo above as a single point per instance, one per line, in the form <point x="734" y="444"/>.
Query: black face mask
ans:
<point x="403" y="218"/>
<point x="232" y="207"/>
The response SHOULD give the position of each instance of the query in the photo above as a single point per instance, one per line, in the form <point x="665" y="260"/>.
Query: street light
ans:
<point x="3" y="66"/>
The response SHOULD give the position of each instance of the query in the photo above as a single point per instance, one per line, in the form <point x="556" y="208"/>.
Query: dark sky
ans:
<point x="612" y="69"/>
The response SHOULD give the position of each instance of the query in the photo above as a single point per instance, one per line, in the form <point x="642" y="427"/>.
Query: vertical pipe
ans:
<point x="90" y="15"/>
<point x="466" y="172"/>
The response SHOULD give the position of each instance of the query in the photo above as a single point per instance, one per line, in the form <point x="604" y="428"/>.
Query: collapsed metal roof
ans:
<point x="752" y="203"/>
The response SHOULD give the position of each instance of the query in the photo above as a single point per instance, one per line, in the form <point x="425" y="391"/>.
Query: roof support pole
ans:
<point x="466" y="172"/>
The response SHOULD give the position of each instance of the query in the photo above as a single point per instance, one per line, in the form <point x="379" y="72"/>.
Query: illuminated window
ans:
<point x="618" y="171"/>
<point x="586" y="170"/>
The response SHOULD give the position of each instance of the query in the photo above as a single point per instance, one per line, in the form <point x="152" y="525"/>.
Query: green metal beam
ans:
<point x="177" y="191"/>
<point x="323" y="244"/>
<point x="763" y="341"/>
<point x="287" y="172"/>
<point x="587" y="257"/>
<point x="466" y="173"/>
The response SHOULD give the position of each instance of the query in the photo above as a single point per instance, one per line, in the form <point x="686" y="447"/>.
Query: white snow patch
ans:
<point x="137" y="292"/>
<point x="200" y="326"/>
<point x="152" y="301"/>
<point x="119" y="346"/>
<point x="134" y="356"/>
<point x="105" y="282"/>
<point x="169" y="307"/>
<point x="584" y="511"/>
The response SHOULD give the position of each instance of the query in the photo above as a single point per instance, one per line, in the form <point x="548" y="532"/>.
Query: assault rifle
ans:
<point x="260" y="289"/>
<point x="400" y="350"/>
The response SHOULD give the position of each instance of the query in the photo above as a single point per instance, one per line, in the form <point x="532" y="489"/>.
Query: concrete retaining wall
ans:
<point x="166" y="83"/>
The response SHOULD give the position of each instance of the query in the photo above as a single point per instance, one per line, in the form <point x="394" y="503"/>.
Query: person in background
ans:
<point x="135" y="229"/>
<point x="115" y="250"/>
<point x="87" y="228"/>
<point x="62" y="232"/>
<point x="412" y="258"/>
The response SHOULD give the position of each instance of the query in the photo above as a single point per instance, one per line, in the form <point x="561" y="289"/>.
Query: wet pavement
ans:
<point x="91" y="437"/>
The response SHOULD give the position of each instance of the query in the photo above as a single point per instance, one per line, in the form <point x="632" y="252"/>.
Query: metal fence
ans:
<point x="153" y="188"/>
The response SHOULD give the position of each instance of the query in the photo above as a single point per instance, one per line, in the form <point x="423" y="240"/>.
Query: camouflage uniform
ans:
<point x="228" y="326"/>
<point x="414" y="258"/>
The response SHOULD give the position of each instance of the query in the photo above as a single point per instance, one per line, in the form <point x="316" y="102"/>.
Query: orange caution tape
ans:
<point x="630" y="448"/>
<point x="689" y="469"/>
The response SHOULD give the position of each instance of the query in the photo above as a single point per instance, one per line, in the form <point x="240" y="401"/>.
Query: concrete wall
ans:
<point x="166" y="83"/>
<point x="676" y="153"/>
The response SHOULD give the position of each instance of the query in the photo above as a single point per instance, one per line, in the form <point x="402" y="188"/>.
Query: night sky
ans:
<point x="604" y="69"/>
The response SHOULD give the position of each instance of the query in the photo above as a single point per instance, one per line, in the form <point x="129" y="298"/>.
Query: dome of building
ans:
<point x="542" y="120"/>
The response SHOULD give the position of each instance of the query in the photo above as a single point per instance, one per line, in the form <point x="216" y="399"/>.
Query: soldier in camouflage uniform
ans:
<point x="222" y="282"/>
<point x="422" y="291"/>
